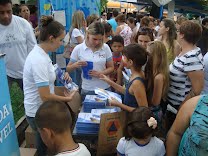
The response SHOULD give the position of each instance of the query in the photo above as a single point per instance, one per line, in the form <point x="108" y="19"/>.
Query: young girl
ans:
<point x="157" y="77"/>
<point x="135" y="94"/>
<point x="138" y="139"/>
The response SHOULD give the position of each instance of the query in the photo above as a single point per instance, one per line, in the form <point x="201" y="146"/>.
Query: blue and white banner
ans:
<point x="8" y="138"/>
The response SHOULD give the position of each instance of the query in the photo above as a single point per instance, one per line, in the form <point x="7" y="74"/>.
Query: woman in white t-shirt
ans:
<point x="74" y="37"/>
<point x="139" y="139"/>
<point x="39" y="74"/>
<point x="98" y="55"/>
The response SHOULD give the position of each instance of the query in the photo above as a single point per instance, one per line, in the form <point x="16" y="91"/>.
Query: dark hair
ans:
<point x="107" y="27"/>
<point x="145" y="21"/>
<point x="115" y="13"/>
<point x="144" y="31"/>
<point x="132" y="20"/>
<point x="121" y="18"/>
<point x="192" y="31"/>
<point x="203" y="42"/>
<point x="137" y="54"/>
<point x="204" y="21"/>
<point x="4" y="2"/>
<point x="20" y="7"/>
<point x="55" y="115"/>
<point x="139" y="17"/>
<point x="136" y="124"/>
<point x="118" y="39"/>
<point x="50" y="27"/>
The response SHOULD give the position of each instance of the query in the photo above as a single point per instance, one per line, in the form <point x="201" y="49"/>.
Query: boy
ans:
<point x="54" y="122"/>
<point x="117" y="46"/>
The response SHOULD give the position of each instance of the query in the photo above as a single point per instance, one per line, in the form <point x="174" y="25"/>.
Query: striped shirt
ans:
<point x="180" y="84"/>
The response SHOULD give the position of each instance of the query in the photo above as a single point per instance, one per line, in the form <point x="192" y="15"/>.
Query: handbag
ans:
<point x="68" y="50"/>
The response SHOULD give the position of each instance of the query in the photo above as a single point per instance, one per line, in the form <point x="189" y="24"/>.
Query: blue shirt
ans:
<point x="129" y="99"/>
<point x="113" y="23"/>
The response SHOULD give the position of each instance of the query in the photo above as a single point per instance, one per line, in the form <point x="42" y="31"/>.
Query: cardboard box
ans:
<point x="76" y="102"/>
<point x="30" y="137"/>
<point x="28" y="152"/>
<point x="111" y="130"/>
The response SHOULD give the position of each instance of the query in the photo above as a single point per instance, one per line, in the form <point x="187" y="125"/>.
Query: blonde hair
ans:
<point x="157" y="64"/>
<point x="78" y="19"/>
<point x="95" y="28"/>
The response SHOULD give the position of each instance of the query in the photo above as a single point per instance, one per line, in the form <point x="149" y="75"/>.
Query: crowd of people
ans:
<point x="165" y="96"/>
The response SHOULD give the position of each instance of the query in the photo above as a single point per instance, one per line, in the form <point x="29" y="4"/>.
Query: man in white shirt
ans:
<point x="16" y="41"/>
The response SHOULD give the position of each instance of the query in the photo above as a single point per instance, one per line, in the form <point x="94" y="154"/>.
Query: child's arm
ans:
<point x="119" y="73"/>
<point x="157" y="91"/>
<point x="112" y="84"/>
<point x="116" y="103"/>
<point x="139" y="92"/>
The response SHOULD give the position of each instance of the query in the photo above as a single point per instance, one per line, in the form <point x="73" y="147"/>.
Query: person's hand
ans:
<point x="70" y="94"/>
<point x="67" y="78"/>
<point x="104" y="78"/>
<point x="114" y="102"/>
<point x="79" y="64"/>
<point x="94" y="73"/>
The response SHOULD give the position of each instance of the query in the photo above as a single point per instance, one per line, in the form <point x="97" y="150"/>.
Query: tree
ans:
<point x="103" y="5"/>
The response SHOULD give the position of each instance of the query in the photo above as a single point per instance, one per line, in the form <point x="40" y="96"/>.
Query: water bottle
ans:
<point x="60" y="75"/>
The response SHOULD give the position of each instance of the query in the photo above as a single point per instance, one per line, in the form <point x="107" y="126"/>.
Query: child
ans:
<point x="54" y="122"/>
<point x="157" y="78"/>
<point x="138" y="139"/>
<point x="135" y="94"/>
<point x="117" y="47"/>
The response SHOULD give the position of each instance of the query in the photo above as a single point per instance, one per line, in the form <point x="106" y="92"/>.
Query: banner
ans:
<point x="8" y="138"/>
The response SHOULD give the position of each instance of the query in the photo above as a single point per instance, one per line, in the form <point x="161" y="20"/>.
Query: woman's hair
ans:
<point x="132" y="20"/>
<point x="96" y="28"/>
<point x="157" y="64"/>
<point x="144" y="31"/>
<point x="121" y="18"/>
<point x="136" y="123"/>
<point x="22" y="5"/>
<point x="137" y="54"/>
<point x="78" y="19"/>
<point x="172" y="35"/>
<point x="145" y="21"/>
<point x="49" y="27"/>
<point x="91" y="18"/>
<point x="107" y="27"/>
<point x="192" y="31"/>
<point x="55" y="115"/>
<point x="181" y="19"/>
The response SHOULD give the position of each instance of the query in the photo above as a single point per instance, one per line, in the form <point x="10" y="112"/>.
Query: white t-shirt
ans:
<point x="180" y="84"/>
<point x="99" y="58"/>
<point x="154" y="148"/>
<point x="79" y="151"/>
<point x="38" y="72"/>
<point x="16" y="41"/>
<point x="75" y="33"/>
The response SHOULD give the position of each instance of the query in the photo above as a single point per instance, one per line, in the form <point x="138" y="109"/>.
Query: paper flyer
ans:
<point x="108" y="94"/>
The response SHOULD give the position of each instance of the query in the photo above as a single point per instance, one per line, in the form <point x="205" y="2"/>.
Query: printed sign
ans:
<point x="8" y="138"/>
<point x="111" y="130"/>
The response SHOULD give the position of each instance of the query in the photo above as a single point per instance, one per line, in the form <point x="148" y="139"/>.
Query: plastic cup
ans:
<point x="86" y="69"/>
